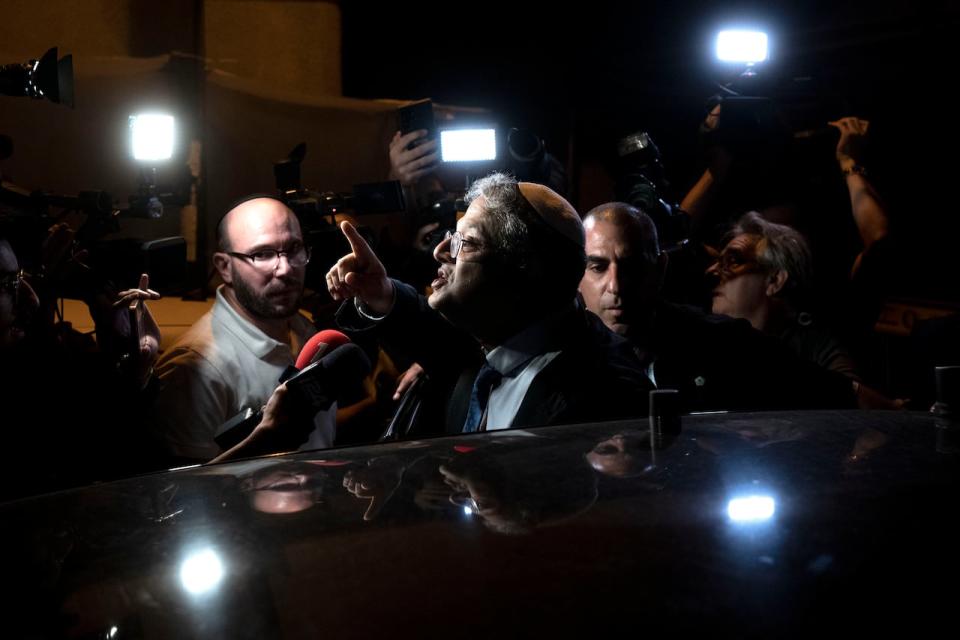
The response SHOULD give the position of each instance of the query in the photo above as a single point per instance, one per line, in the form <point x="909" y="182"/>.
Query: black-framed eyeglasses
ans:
<point x="269" y="259"/>
<point x="12" y="282"/>
<point x="457" y="242"/>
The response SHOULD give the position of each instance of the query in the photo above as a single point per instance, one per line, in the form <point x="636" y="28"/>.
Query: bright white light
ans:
<point x="742" y="46"/>
<point x="468" y="511"/>
<point x="201" y="572"/>
<point x="468" y="145"/>
<point x="151" y="136"/>
<point x="751" y="508"/>
<point x="113" y="632"/>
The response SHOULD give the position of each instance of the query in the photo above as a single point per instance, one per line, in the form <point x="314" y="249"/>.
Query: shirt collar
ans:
<point x="260" y="344"/>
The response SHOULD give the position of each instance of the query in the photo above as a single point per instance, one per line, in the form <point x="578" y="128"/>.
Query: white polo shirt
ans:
<point x="222" y="365"/>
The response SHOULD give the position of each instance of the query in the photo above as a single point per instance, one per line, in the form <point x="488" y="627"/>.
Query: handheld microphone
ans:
<point x="336" y="376"/>
<point x="320" y="345"/>
<point x="333" y="369"/>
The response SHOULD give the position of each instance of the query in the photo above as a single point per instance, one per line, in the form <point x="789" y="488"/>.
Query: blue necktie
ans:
<point x="487" y="378"/>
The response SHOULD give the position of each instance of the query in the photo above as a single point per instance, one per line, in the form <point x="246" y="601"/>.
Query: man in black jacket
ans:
<point x="716" y="363"/>
<point x="507" y="283"/>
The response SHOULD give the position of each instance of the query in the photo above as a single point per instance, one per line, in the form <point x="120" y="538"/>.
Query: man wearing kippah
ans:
<point x="507" y="282"/>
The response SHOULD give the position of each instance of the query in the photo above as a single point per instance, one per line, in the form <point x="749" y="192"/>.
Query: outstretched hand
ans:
<point x="360" y="273"/>
<point x="853" y="135"/>
<point x="377" y="481"/>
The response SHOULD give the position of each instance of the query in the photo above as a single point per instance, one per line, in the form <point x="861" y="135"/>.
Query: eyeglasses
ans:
<point x="457" y="242"/>
<point x="733" y="262"/>
<point x="269" y="259"/>
<point x="11" y="282"/>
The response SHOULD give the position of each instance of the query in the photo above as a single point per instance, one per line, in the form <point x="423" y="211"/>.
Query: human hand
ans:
<point x="144" y="330"/>
<point x="853" y="135"/>
<point x="360" y="273"/>
<point x="408" y="165"/>
<point x="378" y="481"/>
<point x="407" y="379"/>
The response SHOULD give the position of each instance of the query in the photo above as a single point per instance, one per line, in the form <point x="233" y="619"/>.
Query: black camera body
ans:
<point x="640" y="182"/>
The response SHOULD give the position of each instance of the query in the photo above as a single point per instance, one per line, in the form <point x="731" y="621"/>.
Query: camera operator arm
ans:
<point x="701" y="196"/>
<point x="869" y="213"/>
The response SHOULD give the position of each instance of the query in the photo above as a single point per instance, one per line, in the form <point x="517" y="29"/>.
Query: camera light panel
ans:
<point x="468" y="145"/>
<point x="742" y="46"/>
<point x="151" y="136"/>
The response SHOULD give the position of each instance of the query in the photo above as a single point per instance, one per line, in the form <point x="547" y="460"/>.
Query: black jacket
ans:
<point x="596" y="376"/>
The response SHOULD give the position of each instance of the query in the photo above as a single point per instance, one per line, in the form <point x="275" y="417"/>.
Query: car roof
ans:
<point x="746" y="524"/>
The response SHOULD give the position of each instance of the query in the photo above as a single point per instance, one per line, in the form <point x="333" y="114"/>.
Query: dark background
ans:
<point x="586" y="75"/>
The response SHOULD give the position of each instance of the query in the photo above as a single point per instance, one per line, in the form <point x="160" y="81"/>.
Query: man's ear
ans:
<point x="776" y="282"/>
<point x="221" y="262"/>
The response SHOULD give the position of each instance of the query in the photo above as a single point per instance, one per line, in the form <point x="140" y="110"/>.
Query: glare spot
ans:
<point x="151" y="136"/>
<point x="742" y="46"/>
<point x="468" y="511"/>
<point x="468" y="145"/>
<point x="751" y="508"/>
<point x="201" y="572"/>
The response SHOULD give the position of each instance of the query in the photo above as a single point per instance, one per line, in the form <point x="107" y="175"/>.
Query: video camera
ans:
<point x="44" y="78"/>
<point x="120" y="261"/>
<point x="317" y="211"/>
<point x="640" y="181"/>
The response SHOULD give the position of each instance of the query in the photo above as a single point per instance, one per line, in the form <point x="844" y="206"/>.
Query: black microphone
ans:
<point x="337" y="376"/>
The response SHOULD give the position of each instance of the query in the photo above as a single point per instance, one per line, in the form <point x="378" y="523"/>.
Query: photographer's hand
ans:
<point x="868" y="210"/>
<point x="149" y="332"/>
<point x="360" y="273"/>
<point x="853" y="135"/>
<point x="410" y="165"/>
<point x="698" y="201"/>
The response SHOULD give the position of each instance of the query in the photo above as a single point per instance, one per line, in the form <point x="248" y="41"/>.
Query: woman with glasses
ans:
<point x="763" y="274"/>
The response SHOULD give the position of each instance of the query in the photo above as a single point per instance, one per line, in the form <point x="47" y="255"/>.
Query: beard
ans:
<point x="260" y="304"/>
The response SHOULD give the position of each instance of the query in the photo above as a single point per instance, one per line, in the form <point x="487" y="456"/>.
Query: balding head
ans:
<point x="265" y="286"/>
<point x="247" y="214"/>
<point x="638" y="228"/>
<point x="625" y="268"/>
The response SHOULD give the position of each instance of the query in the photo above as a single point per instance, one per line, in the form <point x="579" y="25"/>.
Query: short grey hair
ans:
<point x="519" y="235"/>
<point x="779" y="248"/>
<point x="506" y="213"/>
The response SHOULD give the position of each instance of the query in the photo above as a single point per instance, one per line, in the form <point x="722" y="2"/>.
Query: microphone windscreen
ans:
<point x="347" y="364"/>
<point x="319" y="345"/>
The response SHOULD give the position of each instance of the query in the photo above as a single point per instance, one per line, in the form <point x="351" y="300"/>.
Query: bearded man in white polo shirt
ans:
<point x="232" y="358"/>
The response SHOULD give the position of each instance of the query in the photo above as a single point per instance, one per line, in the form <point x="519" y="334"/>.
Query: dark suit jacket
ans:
<point x="595" y="377"/>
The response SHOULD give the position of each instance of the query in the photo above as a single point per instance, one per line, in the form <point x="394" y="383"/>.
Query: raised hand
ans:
<point x="360" y="273"/>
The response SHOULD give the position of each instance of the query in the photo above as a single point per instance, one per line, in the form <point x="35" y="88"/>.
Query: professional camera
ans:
<point x="640" y="180"/>
<point x="44" y="78"/>
<point x="96" y="258"/>
<point x="529" y="160"/>
<point x="317" y="211"/>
